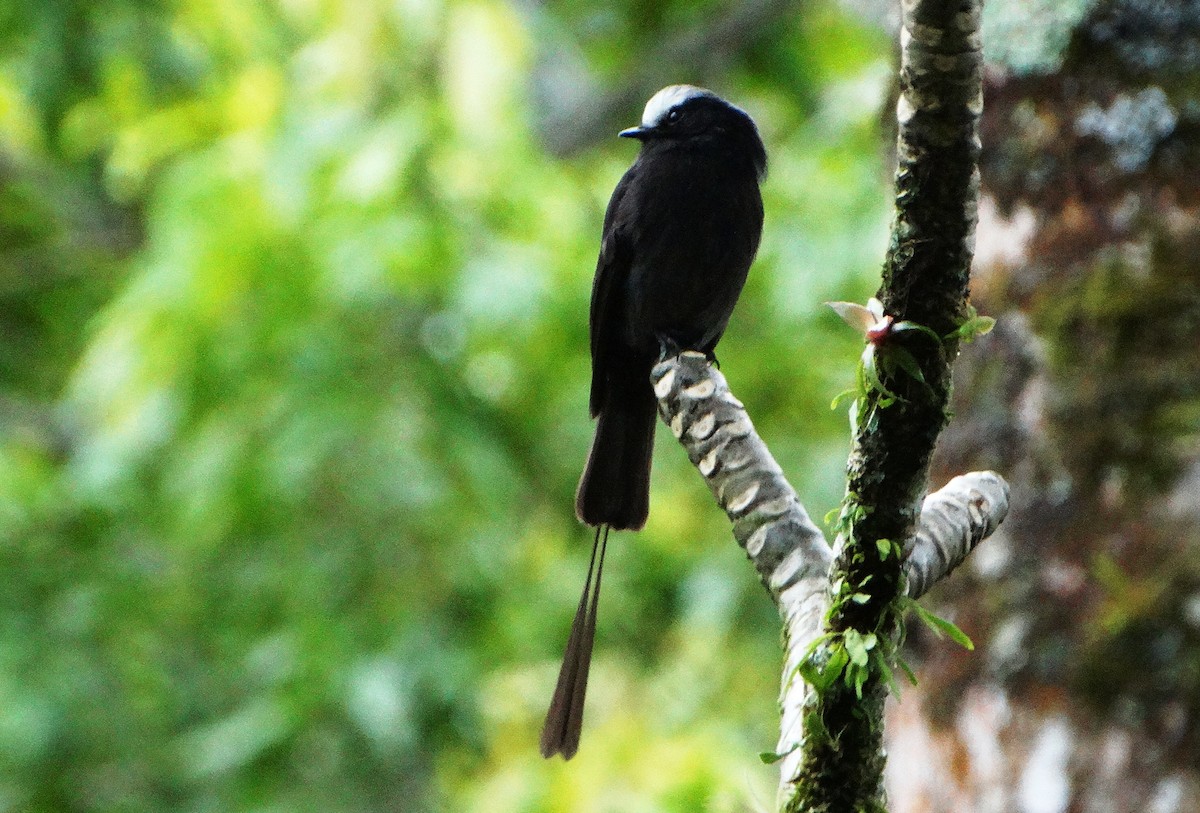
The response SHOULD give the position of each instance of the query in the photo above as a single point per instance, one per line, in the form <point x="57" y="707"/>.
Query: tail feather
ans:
<point x="615" y="487"/>
<point x="564" y="720"/>
<point x="614" y="494"/>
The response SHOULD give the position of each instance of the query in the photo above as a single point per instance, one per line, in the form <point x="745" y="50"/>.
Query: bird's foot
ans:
<point x="668" y="348"/>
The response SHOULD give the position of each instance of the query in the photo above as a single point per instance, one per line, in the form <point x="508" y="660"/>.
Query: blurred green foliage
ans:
<point x="293" y="400"/>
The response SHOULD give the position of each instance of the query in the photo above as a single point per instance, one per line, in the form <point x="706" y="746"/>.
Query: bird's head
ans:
<point x="684" y="113"/>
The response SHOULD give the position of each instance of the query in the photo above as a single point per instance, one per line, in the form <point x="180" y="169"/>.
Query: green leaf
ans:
<point x="809" y="671"/>
<point x="859" y="675"/>
<point x="820" y="676"/>
<point x="888" y="675"/>
<point x="866" y="360"/>
<point x="942" y="627"/>
<point x="906" y="325"/>
<point x="838" y="659"/>
<point x="906" y="361"/>
<point x="858" y="646"/>
<point x="907" y="670"/>
<point x="884" y="546"/>
<point x="972" y="327"/>
<point x="870" y="375"/>
<point x="844" y="395"/>
<point x="771" y="757"/>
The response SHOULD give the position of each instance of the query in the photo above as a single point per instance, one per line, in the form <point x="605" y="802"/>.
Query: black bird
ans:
<point x="680" y="232"/>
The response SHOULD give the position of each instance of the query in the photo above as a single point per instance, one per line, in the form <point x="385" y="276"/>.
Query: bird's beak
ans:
<point x="640" y="133"/>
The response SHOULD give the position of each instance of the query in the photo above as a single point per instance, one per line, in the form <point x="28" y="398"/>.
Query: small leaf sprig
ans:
<point x="885" y="358"/>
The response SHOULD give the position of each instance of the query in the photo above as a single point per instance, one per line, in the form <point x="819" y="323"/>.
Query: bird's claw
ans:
<point x="668" y="348"/>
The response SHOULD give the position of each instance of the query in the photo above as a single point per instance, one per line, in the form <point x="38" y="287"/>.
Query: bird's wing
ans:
<point x="608" y="291"/>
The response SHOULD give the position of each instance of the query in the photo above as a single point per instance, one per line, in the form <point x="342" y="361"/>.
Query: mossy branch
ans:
<point x="925" y="280"/>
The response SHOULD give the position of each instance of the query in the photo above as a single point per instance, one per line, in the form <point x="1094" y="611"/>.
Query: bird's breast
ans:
<point x="698" y="228"/>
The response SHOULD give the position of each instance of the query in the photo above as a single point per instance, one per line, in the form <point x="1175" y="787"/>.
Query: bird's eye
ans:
<point x="672" y="116"/>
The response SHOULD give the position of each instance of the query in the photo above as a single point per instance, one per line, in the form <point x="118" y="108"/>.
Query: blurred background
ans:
<point x="293" y="382"/>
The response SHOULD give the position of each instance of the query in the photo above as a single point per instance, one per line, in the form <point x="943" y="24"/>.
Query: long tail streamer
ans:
<point x="564" y="720"/>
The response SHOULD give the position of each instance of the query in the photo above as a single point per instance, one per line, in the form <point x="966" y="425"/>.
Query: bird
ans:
<point x="680" y="231"/>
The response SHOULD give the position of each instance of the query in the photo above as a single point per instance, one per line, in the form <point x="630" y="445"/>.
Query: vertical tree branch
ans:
<point x="924" y="281"/>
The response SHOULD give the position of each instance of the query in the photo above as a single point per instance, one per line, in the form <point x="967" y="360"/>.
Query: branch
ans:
<point x="769" y="523"/>
<point x="954" y="520"/>
<point x="786" y="547"/>
<point x="898" y="421"/>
